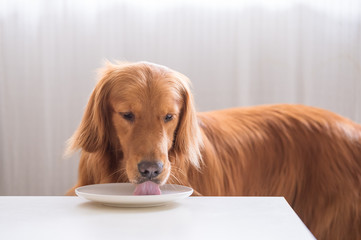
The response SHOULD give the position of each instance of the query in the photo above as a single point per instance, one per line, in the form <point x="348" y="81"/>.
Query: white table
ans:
<point x="192" y="218"/>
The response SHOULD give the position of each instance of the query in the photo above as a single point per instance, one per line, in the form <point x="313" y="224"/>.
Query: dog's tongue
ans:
<point x="147" y="188"/>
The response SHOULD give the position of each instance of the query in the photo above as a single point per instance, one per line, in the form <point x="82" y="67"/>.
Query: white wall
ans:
<point x="236" y="53"/>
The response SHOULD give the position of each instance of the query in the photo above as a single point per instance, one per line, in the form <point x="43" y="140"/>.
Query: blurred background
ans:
<point x="236" y="53"/>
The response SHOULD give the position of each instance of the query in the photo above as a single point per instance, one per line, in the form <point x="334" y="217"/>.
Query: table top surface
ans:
<point x="191" y="218"/>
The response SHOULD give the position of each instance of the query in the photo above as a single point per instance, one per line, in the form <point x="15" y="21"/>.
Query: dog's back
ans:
<point x="310" y="156"/>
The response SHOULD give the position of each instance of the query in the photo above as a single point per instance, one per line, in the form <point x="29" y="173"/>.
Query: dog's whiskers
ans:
<point x="121" y="174"/>
<point x="181" y="171"/>
<point x="176" y="180"/>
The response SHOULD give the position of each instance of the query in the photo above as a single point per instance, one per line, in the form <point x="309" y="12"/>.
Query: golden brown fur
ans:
<point x="310" y="156"/>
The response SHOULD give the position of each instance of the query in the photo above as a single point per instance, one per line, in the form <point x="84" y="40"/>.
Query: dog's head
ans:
<point x="145" y="111"/>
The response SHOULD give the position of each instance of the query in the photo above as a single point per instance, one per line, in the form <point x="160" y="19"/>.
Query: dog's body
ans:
<point x="310" y="156"/>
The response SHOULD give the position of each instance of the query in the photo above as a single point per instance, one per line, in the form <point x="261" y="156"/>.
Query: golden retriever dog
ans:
<point x="140" y="126"/>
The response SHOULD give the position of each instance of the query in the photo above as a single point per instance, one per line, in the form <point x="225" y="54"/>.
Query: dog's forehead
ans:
<point x="140" y="88"/>
<point x="142" y="98"/>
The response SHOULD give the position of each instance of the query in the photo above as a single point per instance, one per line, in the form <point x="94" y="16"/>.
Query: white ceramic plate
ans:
<point x="121" y="194"/>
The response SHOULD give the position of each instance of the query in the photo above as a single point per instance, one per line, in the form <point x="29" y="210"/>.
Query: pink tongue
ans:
<point x="147" y="188"/>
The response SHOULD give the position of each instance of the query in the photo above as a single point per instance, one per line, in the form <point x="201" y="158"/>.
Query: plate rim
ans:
<point x="127" y="200"/>
<point x="187" y="189"/>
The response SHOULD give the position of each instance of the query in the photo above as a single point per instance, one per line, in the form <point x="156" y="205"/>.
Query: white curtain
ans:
<point x="236" y="53"/>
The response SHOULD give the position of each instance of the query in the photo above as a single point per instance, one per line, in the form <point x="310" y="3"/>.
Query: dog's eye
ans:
<point x="129" y="116"/>
<point x="168" y="117"/>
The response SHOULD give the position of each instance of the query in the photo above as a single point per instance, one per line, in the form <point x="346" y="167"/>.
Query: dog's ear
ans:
<point x="93" y="134"/>
<point x="188" y="139"/>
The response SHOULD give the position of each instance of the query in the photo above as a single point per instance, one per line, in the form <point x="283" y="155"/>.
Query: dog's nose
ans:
<point x="150" y="169"/>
